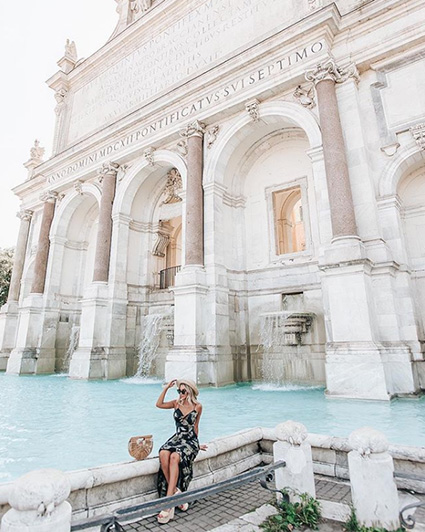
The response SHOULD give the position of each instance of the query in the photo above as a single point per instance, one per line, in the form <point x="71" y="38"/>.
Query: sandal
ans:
<point x="165" y="516"/>
<point x="182" y="507"/>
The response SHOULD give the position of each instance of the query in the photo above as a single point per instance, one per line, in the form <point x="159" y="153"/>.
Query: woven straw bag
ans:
<point x="140" y="447"/>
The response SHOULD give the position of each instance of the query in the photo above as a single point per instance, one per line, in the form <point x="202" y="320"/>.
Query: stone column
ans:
<point x="108" y="177"/>
<point x="40" y="264"/>
<point x="194" y="238"/>
<point x="325" y="76"/>
<point x="19" y="259"/>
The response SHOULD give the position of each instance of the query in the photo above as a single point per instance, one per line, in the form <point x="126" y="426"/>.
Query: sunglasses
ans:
<point x="181" y="392"/>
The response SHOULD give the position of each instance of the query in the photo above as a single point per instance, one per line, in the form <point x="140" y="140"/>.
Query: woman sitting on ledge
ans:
<point x="177" y="454"/>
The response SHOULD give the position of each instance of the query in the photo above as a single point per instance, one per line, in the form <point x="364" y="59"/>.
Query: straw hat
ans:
<point x="189" y="383"/>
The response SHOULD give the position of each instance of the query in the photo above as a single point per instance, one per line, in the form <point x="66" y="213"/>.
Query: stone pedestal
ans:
<point x="373" y="489"/>
<point x="94" y="358"/>
<point x="38" y="502"/>
<point x="292" y="448"/>
<point x="8" y="324"/>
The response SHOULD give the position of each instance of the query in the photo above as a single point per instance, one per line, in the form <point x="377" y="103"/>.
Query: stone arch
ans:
<point x="408" y="158"/>
<point x="273" y="116"/>
<point x="139" y="172"/>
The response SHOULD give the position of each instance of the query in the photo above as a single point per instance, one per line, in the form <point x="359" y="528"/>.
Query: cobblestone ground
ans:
<point x="217" y="510"/>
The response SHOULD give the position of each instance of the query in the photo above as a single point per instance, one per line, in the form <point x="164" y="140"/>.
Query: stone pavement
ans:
<point x="226" y="512"/>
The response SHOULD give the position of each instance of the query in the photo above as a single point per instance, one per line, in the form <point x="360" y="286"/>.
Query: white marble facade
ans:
<point x="237" y="69"/>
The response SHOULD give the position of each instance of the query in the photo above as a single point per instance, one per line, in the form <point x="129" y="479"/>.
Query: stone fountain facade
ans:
<point x="216" y="158"/>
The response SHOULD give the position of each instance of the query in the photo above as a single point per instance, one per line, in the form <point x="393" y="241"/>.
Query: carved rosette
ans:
<point x="149" y="156"/>
<point x="25" y="215"/>
<point x="108" y="169"/>
<point x="161" y="244"/>
<point x="212" y="134"/>
<point x="50" y="196"/>
<point x="329" y="70"/>
<point x="253" y="109"/>
<point x="418" y="133"/>
<point x="305" y="96"/>
<point x="173" y="186"/>
<point x="194" y="129"/>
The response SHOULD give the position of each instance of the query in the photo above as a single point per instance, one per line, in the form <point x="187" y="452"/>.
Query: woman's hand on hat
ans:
<point x="171" y="383"/>
<point x="203" y="447"/>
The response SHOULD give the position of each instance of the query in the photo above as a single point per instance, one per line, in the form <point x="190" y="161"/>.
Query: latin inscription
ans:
<point x="209" y="32"/>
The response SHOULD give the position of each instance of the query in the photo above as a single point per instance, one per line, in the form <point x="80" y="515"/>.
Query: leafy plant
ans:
<point x="6" y="263"/>
<point x="352" y="525"/>
<point x="292" y="515"/>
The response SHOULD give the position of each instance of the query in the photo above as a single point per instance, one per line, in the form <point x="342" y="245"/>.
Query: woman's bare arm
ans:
<point x="168" y="404"/>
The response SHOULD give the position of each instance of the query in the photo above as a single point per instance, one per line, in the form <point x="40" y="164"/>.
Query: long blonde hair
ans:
<point x="191" y="396"/>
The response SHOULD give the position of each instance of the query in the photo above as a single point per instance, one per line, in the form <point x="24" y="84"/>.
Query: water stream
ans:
<point x="149" y="343"/>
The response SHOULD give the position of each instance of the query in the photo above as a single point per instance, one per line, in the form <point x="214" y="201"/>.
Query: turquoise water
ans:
<point x="53" y="421"/>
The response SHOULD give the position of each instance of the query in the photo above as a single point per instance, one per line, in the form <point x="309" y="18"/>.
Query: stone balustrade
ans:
<point x="100" y="490"/>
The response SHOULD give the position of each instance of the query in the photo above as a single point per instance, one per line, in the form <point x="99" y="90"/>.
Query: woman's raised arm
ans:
<point x="169" y="404"/>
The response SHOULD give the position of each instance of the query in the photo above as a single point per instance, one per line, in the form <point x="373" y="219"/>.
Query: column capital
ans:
<point x="194" y="129"/>
<point x="418" y="133"/>
<point x="49" y="196"/>
<point x="328" y="70"/>
<point x="108" y="169"/>
<point x="25" y="215"/>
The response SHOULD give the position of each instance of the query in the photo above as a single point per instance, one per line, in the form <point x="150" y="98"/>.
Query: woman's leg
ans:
<point x="173" y="473"/>
<point x="164" y="459"/>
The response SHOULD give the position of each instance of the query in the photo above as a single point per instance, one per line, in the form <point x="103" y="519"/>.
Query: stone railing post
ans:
<point x="194" y="237"/>
<point x="108" y="177"/>
<point x="291" y="447"/>
<point x="40" y="264"/>
<point x="38" y="502"/>
<point x="325" y="76"/>
<point x="373" y="489"/>
<point x="19" y="259"/>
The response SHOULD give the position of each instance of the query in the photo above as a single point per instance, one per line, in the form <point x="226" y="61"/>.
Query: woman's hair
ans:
<point x="191" y="396"/>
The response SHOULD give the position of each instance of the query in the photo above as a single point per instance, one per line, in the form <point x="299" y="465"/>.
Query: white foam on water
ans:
<point x="270" y="387"/>
<point x="141" y="380"/>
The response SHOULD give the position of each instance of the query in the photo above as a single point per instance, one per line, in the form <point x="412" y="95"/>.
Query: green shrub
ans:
<point x="352" y="525"/>
<point x="291" y="516"/>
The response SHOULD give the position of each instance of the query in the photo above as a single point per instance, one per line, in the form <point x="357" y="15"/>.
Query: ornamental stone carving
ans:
<point x="161" y="244"/>
<point x="305" y="96"/>
<point x="212" y="134"/>
<point x="315" y="4"/>
<point x="182" y="147"/>
<point x="149" y="156"/>
<point x="78" y="186"/>
<point x="37" y="152"/>
<point x="329" y="70"/>
<point x="138" y="7"/>
<point x="173" y="186"/>
<point x="367" y="441"/>
<point x="418" y="133"/>
<point x="292" y="432"/>
<point x="71" y="51"/>
<point x="195" y="128"/>
<point x="60" y="96"/>
<point x="49" y="196"/>
<point x="108" y="168"/>
<point x="253" y="109"/>
<point x="25" y="215"/>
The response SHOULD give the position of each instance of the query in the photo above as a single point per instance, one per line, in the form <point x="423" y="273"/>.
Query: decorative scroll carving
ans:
<point x="25" y="215"/>
<point x="108" y="168"/>
<point x="122" y="170"/>
<point x="149" y="156"/>
<point x="253" y="109"/>
<point x="78" y="186"/>
<point x="195" y="128"/>
<point x="305" y="96"/>
<point x="71" y="51"/>
<point x="212" y="134"/>
<point x="182" y="147"/>
<point x="418" y="133"/>
<point x="37" y="152"/>
<point x="173" y="185"/>
<point x="49" y="196"/>
<point x="161" y="244"/>
<point x="329" y="70"/>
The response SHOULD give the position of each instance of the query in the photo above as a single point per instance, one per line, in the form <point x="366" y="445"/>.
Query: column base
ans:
<point x="98" y="363"/>
<point x="8" y="326"/>
<point x="31" y="361"/>
<point x="367" y="370"/>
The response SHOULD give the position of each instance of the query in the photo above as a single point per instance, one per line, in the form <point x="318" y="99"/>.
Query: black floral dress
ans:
<point x="186" y="443"/>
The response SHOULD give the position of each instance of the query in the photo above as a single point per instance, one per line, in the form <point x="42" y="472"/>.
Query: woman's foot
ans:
<point x="183" y="507"/>
<point x="165" y="516"/>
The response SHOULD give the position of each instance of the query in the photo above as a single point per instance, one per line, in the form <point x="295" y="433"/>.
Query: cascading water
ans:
<point x="281" y="335"/>
<point x="151" y="337"/>
<point x="74" y="338"/>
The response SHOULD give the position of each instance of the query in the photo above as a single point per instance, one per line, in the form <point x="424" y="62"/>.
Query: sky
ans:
<point x="32" y="40"/>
